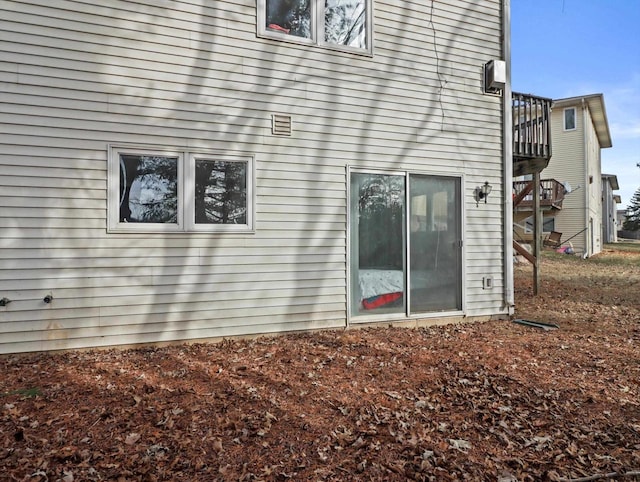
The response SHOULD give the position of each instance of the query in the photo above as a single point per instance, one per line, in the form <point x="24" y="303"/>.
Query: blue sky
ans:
<point x="567" y="48"/>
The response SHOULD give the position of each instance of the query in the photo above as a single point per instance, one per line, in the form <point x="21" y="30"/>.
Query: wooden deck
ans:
<point x="552" y="194"/>
<point x="531" y="133"/>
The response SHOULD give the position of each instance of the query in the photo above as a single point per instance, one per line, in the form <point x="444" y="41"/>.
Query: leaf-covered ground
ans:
<point x="486" y="401"/>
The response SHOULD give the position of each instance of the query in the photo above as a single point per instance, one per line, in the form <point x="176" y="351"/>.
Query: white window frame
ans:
<point x="185" y="192"/>
<point x="317" y="28"/>
<point x="575" y="119"/>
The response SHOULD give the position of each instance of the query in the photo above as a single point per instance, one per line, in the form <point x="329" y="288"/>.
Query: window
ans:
<point x="548" y="224"/>
<point x="570" y="119"/>
<point x="344" y="24"/>
<point x="156" y="190"/>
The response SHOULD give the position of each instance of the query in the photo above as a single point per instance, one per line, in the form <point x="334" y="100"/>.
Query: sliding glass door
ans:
<point x="405" y="244"/>
<point x="435" y="234"/>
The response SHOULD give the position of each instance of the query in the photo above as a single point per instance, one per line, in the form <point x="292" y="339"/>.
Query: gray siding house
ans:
<point x="193" y="170"/>
<point x="580" y="130"/>
<point x="610" y="201"/>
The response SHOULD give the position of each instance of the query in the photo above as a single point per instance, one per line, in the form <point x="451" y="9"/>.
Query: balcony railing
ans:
<point x="552" y="194"/>
<point x="531" y="133"/>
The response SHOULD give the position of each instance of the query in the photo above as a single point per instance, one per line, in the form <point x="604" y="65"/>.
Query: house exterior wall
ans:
<point x="568" y="164"/>
<point x="577" y="159"/>
<point x="594" y="185"/>
<point x="609" y="222"/>
<point x="76" y="77"/>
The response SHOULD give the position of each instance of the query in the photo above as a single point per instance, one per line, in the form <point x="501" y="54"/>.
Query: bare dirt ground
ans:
<point x="487" y="401"/>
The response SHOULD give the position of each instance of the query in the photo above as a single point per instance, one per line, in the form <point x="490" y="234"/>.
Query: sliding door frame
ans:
<point x="406" y="315"/>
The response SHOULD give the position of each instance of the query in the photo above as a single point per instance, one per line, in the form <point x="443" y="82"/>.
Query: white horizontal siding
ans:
<point x="76" y="76"/>
<point x="157" y="286"/>
<point x="183" y="302"/>
<point x="594" y="176"/>
<point x="379" y="132"/>
<point x="200" y="255"/>
<point x="140" y="242"/>
<point x="60" y="339"/>
<point x="186" y="272"/>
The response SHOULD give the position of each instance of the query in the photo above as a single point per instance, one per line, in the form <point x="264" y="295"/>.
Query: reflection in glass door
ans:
<point x="435" y="272"/>
<point x="377" y="243"/>
<point x="405" y="239"/>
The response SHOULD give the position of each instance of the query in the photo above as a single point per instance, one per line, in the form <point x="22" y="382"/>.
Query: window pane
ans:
<point x="377" y="243"/>
<point x="289" y="16"/>
<point x="220" y="192"/>
<point x="549" y="224"/>
<point x="148" y="189"/>
<point x="345" y="23"/>
<point x="569" y="119"/>
<point x="435" y="273"/>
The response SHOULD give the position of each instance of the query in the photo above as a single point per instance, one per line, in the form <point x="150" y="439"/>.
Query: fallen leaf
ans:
<point x="132" y="438"/>
<point x="460" y="444"/>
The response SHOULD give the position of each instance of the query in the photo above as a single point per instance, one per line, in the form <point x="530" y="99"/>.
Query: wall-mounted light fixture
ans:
<point x="482" y="192"/>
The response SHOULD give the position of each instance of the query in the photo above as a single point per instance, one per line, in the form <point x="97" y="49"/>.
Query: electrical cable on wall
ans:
<point x="442" y="82"/>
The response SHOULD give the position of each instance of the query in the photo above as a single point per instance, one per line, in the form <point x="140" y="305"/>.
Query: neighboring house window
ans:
<point x="344" y="24"/>
<point x="548" y="224"/>
<point x="570" y="119"/>
<point x="156" y="190"/>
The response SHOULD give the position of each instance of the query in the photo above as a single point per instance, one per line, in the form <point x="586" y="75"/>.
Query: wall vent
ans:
<point x="281" y="125"/>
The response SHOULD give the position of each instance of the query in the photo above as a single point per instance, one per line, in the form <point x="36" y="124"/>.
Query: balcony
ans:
<point x="531" y="133"/>
<point x="552" y="194"/>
